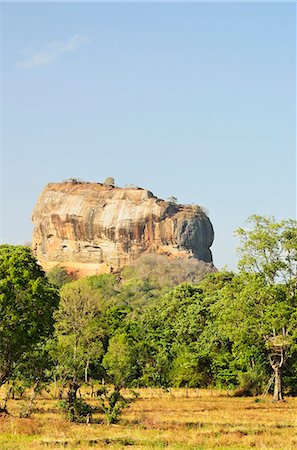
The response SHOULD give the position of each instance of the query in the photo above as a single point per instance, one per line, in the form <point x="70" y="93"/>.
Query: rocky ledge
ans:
<point x="93" y="228"/>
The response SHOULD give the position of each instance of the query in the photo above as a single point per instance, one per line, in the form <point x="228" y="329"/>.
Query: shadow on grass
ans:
<point x="122" y="441"/>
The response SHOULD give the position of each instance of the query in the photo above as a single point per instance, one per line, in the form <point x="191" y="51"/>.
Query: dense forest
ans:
<point x="160" y="322"/>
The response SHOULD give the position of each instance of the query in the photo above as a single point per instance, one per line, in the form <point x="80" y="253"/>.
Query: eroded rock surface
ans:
<point x="92" y="228"/>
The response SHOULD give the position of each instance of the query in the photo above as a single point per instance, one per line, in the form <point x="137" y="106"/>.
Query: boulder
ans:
<point x="93" y="228"/>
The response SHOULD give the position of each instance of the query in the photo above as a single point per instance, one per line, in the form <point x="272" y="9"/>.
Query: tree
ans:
<point x="35" y="371"/>
<point x="109" y="181"/>
<point x="106" y="283"/>
<point x="172" y="327"/>
<point x="27" y="303"/>
<point x="73" y="180"/>
<point x="120" y="364"/>
<point x="172" y="199"/>
<point x="257" y="311"/>
<point x="79" y="335"/>
<point x="58" y="276"/>
<point x="269" y="249"/>
<point x="120" y="360"/>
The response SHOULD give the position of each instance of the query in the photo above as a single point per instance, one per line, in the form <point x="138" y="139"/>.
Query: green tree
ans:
<point x="58" y="276"/>
<point x="172" y="329"/>
<point x="120" y="364"/>
<point x="120" y="360"/>
<point x="269" y="249"/>
<point x="27" y="303"/>
<point x="34" y="370"/>
<point x="79" y="335"/>
<point x="257" y="311"/>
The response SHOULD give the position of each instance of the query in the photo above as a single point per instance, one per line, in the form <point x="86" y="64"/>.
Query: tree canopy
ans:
<point x="27" y="302"/>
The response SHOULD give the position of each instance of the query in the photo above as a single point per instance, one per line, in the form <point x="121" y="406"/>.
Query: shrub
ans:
<point x="58" y="276"/>
<point x="113" y="403"/>
<point x="77" y="411"/>
<point x="250" y="383"/>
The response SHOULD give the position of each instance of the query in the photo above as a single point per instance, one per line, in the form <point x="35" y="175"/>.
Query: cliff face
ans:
<point x="92" y="228"/>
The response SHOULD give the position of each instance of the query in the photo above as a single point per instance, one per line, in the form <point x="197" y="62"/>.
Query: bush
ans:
<point x="58" y="276"/>
<point x="113" y="403"/>
<point x="250" y="383"/>
<point x="78" y="411"/>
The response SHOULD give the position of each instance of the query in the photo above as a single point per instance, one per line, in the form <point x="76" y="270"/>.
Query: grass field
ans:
<point x="205" y="420"/>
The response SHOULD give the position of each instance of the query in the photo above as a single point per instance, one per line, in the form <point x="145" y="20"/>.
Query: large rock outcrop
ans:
<point x="92" y="228"/>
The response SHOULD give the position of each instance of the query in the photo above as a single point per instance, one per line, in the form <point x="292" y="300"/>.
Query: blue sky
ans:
<point x="195" y="100"/>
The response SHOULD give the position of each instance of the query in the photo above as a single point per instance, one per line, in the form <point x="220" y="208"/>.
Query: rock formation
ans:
<point x="93" y="228"/>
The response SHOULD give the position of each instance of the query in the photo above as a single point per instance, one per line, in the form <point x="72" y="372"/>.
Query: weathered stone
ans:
<point x="94" y="228"/>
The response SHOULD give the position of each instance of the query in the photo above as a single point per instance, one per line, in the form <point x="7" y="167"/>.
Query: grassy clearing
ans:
<point x="205" y="420"/>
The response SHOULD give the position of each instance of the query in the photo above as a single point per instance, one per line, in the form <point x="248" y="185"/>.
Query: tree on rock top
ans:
<point x="109" y="182"/>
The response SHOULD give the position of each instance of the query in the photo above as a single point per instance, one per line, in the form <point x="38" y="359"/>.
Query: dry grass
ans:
<point x="204" y="420"/>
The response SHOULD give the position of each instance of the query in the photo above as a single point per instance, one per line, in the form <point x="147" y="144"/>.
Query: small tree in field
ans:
<point x="34" y="370"/>
<point x="120" y="364"/>
<point x="79" y="338"/>
<point x="119" y="360"/>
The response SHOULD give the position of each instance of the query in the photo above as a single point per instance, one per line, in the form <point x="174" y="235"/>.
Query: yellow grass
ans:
<point x="205" y="420"/>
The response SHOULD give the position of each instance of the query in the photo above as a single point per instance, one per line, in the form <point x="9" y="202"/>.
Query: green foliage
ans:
<point x="187" y="368"/>
<point x="256" y="312"/>
<point x="120" y="360"/>
<point x="161" y="323"/>
<point x="251" y="382"/>
<point x="78" y="411"/>
<point x="78" y="329"/>
<point x="35" y="367"/>
<point x="269" y="248"/>
<point x="107" y="284"/>
<point x="172" y="330"/>
<point x="27" y="303"/>
<point x="113" y="403"/>
<point x="58" y="276"/>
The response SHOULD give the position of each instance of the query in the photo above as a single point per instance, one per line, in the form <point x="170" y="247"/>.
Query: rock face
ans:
<point x="92" y="228"/>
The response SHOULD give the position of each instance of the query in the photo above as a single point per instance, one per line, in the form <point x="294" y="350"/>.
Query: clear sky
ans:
<point x="195" y="100"/>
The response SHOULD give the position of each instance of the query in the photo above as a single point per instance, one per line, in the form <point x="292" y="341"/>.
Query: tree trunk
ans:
<point x="276" y="361"/>
<point x="55" y="384"/>
<point x="4" y="408"/>
<point x="277" y="395"/>
<point x="71" y="394"/>
<point x="71" y="397"/>
<point x="86" y="372"/>
<point x="32" y="400"/>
